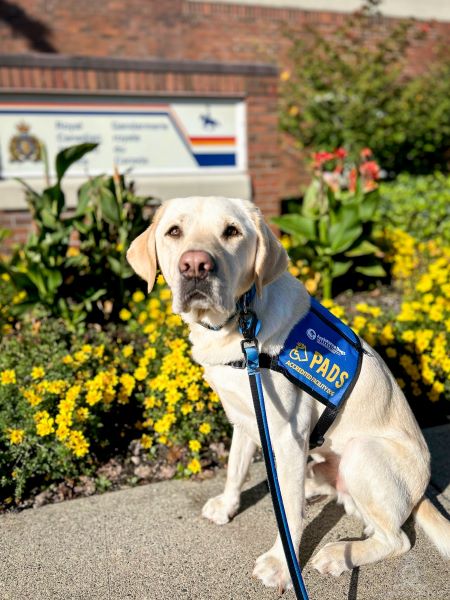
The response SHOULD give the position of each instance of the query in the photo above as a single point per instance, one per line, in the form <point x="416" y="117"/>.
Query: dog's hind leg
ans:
<point x="222" y="508"/>
<point x="376" y="475"/>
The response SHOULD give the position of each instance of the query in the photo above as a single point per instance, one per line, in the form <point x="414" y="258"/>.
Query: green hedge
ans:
<point x="418" y="205"/>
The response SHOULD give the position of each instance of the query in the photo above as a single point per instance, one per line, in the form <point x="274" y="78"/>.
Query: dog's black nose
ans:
<point x="196" y="264"/>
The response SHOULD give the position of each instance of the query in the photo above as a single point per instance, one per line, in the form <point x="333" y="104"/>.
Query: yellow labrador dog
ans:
<point x="374" y="460"/>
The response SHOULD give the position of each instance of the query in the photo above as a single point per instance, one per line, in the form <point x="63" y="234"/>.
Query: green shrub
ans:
<point x="332" y="232"/>
<point x="74" y="266"/>
<point x="417" y="205"/>
<point x="354" y="90"/>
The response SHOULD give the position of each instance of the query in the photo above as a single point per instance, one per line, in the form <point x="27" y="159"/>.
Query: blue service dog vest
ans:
<point x="323" y="357"/>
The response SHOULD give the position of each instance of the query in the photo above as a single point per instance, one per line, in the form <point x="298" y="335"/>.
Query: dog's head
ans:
<point x="210" y="251"/>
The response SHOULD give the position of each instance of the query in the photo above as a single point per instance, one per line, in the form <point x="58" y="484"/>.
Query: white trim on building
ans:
<point x="438" y="10"/>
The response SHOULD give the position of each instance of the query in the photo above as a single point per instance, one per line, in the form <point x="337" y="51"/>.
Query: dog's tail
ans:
<point x="435" y="525"/>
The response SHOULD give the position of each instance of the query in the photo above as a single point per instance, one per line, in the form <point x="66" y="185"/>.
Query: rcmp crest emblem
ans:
<point x="24" y="146"/>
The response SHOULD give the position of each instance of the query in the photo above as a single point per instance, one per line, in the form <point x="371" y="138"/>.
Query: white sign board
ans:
<point x="146" y="137"/>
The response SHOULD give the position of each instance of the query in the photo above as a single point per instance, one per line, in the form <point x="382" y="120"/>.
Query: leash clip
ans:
<point x="248" y="324"/>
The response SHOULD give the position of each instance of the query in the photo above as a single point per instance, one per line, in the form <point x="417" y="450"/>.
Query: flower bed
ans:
<point x="68" y="405"/>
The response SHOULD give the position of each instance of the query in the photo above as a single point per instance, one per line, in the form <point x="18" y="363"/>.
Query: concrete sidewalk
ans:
<point x="150" y="543"/>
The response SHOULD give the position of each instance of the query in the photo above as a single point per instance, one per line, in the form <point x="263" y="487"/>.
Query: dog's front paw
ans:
<point x="273" y="571"/>
<point x="220" y="509"/>
<point x="331" y="560"/>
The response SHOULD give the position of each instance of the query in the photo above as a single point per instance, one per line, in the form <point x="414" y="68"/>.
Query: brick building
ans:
<point x="223" y="54"/>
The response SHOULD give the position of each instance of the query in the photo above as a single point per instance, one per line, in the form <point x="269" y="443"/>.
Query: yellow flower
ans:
<point x="146" y="441"/>
<point x="138" y="296"/>
<point x="82" y="413"/>
<point x="37" y="373"/>
<point x="93" y="397"/>
<point x="362" y="307"/>
<point x="160" y="280"/>
<point x="125" y="314"/>
<point x="391" y="352"/>
<point x="33" y="398"/>
<point x="16" y="436"/>
<point x="194" y="466"/>
<point x="72" y="251"/>
<point x="78" y="443"/>
<point x="6" y="277"/>
<point x="45" y="426"/>
<point x="285" y="75"/>
<point x="81" y="356"/>
<point x="408" y="335"/>
<point x="67" y="360"/>
<point x="165" y="295"/>
<point x="359" y="323"/>
<point x="186" y="408"/>
<point x="194" y="445"/>
<point x="140" y="373"/>
<point x="63" y="431"/>
<point x="425" y="284"/>
<point x="128" y="383"/>
<point x="99" y="351"/>
<point x="423" y="339"/>
<point x="205" y="428"/>
<point x="387" y="334"/>
<point x="149" y="402"/>
<point x="55" y="387"/>
<point x="7" y="377"/>
<point x="127" y="351"/>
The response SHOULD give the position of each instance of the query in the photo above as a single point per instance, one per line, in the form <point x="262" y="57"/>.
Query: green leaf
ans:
<point x="70" y="155"/>
<point x="297" y="225"/>
<point x="54" y="280"/>
<point x="372" y="271"/>
<point x="362" y="249"/>
<point x="48" y="218"/>
<point x="315" y="201"/>
<point x="340" y="268"/>
<point x="368" y="206"/>
<point x="342" y="238"/>
<point x="110" y="207"/>
<point x="116" y="265"/>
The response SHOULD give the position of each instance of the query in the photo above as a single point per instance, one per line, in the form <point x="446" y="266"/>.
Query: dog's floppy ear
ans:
<point x="271" y="259"/>
<point x="142" y="253"/>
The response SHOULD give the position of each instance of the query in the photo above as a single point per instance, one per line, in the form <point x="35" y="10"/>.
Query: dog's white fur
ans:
<point x="375" y="460"/>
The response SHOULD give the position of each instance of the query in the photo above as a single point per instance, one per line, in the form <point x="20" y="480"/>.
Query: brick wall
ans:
<point x="175" y="29"/>
<point x="257" y="83"/>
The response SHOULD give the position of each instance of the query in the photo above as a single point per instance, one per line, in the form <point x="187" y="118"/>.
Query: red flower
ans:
<point x="340" y="153"/>
<point x="370" y="170"/>
<point x="366" y="152"/>
<point x="321" y="158"/>
<point x="352" y="177"/>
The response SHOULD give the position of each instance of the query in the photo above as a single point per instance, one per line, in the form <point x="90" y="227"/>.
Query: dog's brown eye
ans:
<point x="174" y="232"/>
<point x="231" y="231"/>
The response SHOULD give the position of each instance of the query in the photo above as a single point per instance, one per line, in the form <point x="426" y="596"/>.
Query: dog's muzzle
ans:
<point x="196" y="268"/>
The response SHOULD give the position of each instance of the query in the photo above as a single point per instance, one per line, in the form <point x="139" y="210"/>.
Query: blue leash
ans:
<point x="249" y="326"/>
